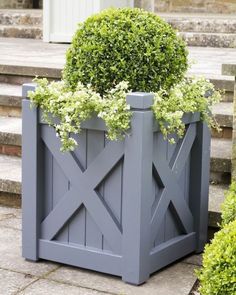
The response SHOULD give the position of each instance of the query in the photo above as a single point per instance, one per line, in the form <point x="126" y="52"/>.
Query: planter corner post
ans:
<point x="30" y="183"/>
<point x="137" y="190"/>
<point x="199" y="180"/>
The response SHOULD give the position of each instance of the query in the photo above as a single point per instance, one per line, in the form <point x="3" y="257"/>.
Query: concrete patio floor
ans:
<point x="27" y="52"/>
<point x="18" y="276"/>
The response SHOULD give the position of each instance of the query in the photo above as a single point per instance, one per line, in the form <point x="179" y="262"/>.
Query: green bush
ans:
<point x="229" y="206"/>
<point x="218" y="275"/>
<point x="125" y="45"/>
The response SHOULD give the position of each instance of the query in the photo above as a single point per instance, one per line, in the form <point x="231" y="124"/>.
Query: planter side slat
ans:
<point x="60" y="187"/>
<point x="96" y="123"/>
<point x="95" y="145"/>
<point x="84" y="257"/>
<point x="78" y="221"/>
<point x="170" y="251"/>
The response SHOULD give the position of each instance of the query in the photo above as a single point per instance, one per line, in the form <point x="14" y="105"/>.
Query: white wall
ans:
<point x="61" y="16"/>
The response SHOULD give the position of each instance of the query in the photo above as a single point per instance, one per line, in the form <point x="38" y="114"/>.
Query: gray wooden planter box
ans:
<point x="126" y="208"/>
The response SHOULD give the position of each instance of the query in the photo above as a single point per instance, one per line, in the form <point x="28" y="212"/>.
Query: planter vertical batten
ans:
<point x="126" y="208"/>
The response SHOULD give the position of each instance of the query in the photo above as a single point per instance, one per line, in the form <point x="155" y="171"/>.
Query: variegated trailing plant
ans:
<point x="115" y="52"/>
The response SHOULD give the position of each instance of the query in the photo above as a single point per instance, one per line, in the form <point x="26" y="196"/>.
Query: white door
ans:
<point x="60" y="17"/>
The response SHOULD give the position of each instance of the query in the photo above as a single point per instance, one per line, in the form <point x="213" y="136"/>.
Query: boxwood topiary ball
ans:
<point x="126" y="45"/>
<point x="218" y="275"/>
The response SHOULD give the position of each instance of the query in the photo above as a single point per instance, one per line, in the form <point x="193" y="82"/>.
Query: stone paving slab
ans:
<point x="12" y="282"/>
<point x="44" y="287"/>
<point x="194" y="259"/>
<point x="10" y="217"/>
<point x="177" y="279"/>
<point x="10" y="255"/>
<point x="7" y="213"/>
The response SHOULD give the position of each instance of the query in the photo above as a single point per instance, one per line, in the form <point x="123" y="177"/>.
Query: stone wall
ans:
<point x="18" y="4"/>
<point x="192" y="6"/>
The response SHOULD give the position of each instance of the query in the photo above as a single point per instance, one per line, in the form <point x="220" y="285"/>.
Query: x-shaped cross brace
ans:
<point x="172" y="191"/>
<point x="82" y="190"/>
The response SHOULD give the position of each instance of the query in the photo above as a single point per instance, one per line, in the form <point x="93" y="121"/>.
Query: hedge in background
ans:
<point x="229" y="206"/>
<point x="126" y="45"/>
<point x="218" y="275"/>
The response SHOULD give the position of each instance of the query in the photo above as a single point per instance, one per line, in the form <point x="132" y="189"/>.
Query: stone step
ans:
<point x="10" y="143"/>
<point x="223" y="113"/>
<point x="10" y="180"/>
<point x="221" y="160"/>
<point x="18" y="74"/>
<point x="10" y="188"/>
<point x="224" y="83"/>
<point x="220" y="40"/>
<point x="207" y="30"/>
<point x="216" y="198"/>
<point x="10" y="136"/>
<point x="21" y="31"/>
<point x="10" y="100"/>
<point x="10" y="94"/>
<point x="204" y="23"/>
<point x="25" y="17"/>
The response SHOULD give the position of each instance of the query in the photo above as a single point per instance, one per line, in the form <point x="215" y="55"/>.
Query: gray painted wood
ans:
<point x="199" y="183"/>
<point x="95" y="144"/>
<point x="137" y="199"/>
<point x="158" y="143"/>
<point x="30" y="178"/>
<point x="81" y="256"/>
<point x="77" y="225"/>
<point x="127" y="208"/>
<point x="47" y="198"/>
<point x="98" y="124"/>
<point x="60" y="188"/>
<point x="62" y="213"/>
<point x="168" y="252"/>
<point x="113" y="195"/>
<point x="86" y="182"/>
<point x="172" y="190"/>
<point x="171" y="228"/>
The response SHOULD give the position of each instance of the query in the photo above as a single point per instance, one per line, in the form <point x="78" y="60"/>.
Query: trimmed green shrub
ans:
<point x="126" y="44"/>
<point x="229" y="205"/>
<point x="218" y="275"/>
